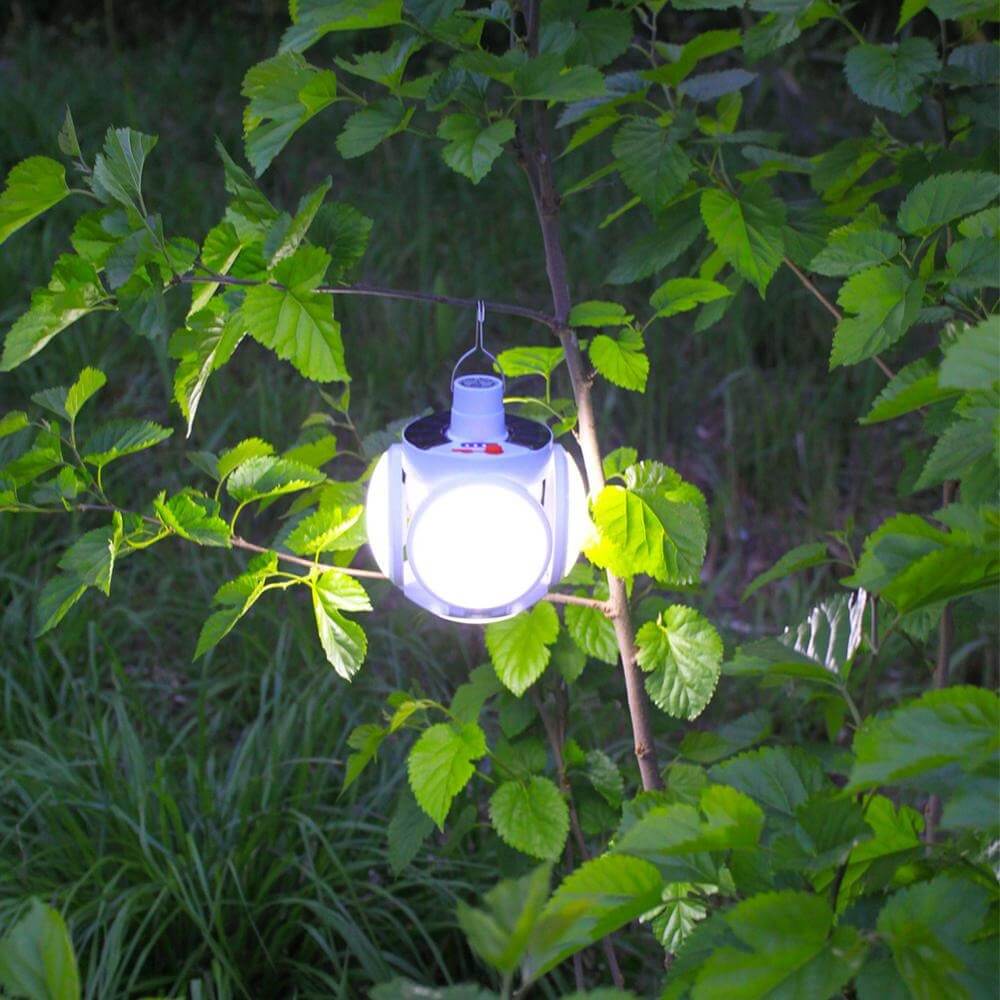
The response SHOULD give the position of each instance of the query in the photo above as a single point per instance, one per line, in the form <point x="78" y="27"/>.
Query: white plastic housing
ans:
<point x="476" y="530"/>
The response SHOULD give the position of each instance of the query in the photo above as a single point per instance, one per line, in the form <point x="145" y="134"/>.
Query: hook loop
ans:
<point x="479" y="345"/>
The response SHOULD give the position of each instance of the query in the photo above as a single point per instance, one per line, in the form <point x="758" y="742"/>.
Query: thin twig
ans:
<point x="833" y="311"/>
<point x="377" y="291"/>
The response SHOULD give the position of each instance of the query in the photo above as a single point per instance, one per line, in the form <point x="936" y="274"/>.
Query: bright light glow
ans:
<point x="479" y="544"/>
<point x="377" y="514"/>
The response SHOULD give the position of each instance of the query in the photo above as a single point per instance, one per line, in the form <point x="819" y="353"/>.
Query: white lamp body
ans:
<point x="476" y="514"/>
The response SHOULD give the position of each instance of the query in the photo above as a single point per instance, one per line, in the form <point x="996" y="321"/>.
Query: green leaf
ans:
<point x="365" y="129"/>
<point x="544" y="79"/>
<point x="914" y="386"/>
<point x="785" y="946"/>
<point x="710" y="746"/>
<point x="343" y="641"/>
<point x="234" y="457"/>
<point x="596" y="313"/>
<point x="365" y="741"/>
<point x="518" y="361"/>
<point x="118" y="169"/>
<point x="67" y="138"/>
<point x="56" y="599"/>
<point x="593" y="632"/>
<point x="794" y="561"/>
<point x="73" y="291"/>
<point x="87" y="383"/>
<point x="890" y="76"/>
<point x="37" y="959"/>
<point x="12" y="422"/>
<point x="945" y="197"/>
<point x="342" y="592"/>
<point x="656" y="524"/>
<point x="500" y="930"/>
<point x="682" y="294"/>
<point x="915" y="565"/>
<point x="238" y="596"/>
<point x="850" y="253"/>
<point x="118" y="438"/>
<point x="962" y="444"/>
<point x="622" y="361"/>
<point x="603" y="774"/>
<point x="91" y="558"/>
<point x="702" y="46"/>
<point x="33" y="186"/>
<point x="778" y="778"/>
<point x="531" y="816"/>
<point x="343" y="231"/>
<point x="267" y="476"/>
<point x="682" y="654"/>
<point x="972" y="361"/>
<point x="956" y="726"/>
<point x="287" y="232"/>
<point x="908" y="11"/>
<point x="600" y="37"/>
<point x="651" y="161"/>
<point x="470" y="147"/>
<point x="677" y="228"/>
<point x="820" y="649"/>
<point x="284" y="92"/>
<point x="315" y="18"/>
<point x="193" y="516"/>
<point x="593" y="901"/>
<point x="520" y="646"/>
<point x="441" y="763"/>
<point x="408" y="828"/>
<point x="933" y="930"/>
<point x="712" y="86"/>
<point x="748" y="230"/>
<point x="885" y="302"/>
<point x="327" y="530"/>
<point x="297" y="322"/>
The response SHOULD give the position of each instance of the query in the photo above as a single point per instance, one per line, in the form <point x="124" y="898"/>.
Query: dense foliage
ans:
<point x="855" y="857"/>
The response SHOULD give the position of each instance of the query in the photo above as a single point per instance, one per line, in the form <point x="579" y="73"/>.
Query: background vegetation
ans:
<point x="188" y="816"/>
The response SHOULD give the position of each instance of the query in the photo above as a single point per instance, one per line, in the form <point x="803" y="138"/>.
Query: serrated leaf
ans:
<point x="785" y="945"/>
<point x="682" y="294"/>
<point x="621" y="360"/>
<point x="945" y="197"/>
<point x="343" y="231"/>
<point x="656" y="524"/>
<point x="748" y="230"/>
<point x="365" y="129"/>
<point x="344" y="641"/>
<point x="972" y="361"/>
<point x="234" y="457"/>
<point x="914" y="386"/>
<point x="956" y="726"/>
<point x="364" y="741"/>
<point x="67" y="138"/>
<point x="441" y="763"/>
<point x="315" y="18"/>
<point x="287" y="232"/>
<point x="499" y="931"/>
<point x="778" y="778"/>
<point x="407" y="830"/>
<point x="297" y="322"/>
<point x="682" y="655"/>
<point x="33" y="187"/>
<point x="267" y="476"/>
<point x="677" y="228"/>
<point x="470" y="147"/>
<point x="87" y="383"/>
<point x="520" y="646"/>
<point x="702" y="46"/>
<point x="890" y="76"/>
<point x="712" y="86"/>
<point x="596" y="899"/>
<point x="597" y="313"/>
<point x="56" y="599"/>
<point x="195" y="517"/>
<point x="518" y="361"/>
<point x="327" y="530"/>
<point x="73" y="291"/>
<point x="118" y="168"/>
<point x="118" y="438"/>
<point x="593" y="632"/>
<point x="531" y="816"/>
<point x="651" y="162"/>
<point x="284" y="92"/>
<point x="884" y="302"/>
<point x="853" y="252"/>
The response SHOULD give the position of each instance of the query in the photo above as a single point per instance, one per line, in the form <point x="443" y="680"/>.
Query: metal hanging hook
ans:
<point x="479" y="345"/>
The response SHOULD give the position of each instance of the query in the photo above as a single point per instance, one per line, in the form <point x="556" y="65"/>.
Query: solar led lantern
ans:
<point x="477" y="513"/>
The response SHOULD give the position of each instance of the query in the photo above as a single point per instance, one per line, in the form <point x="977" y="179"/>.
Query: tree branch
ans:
<point x="536" y="160"/>
<point x="377" y="291"/>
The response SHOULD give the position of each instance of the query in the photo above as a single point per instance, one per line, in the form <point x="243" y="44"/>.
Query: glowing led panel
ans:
<point x="477" y="512"/>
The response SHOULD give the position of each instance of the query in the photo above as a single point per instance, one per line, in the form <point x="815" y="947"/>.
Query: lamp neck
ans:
<point x="477" y="412"/>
